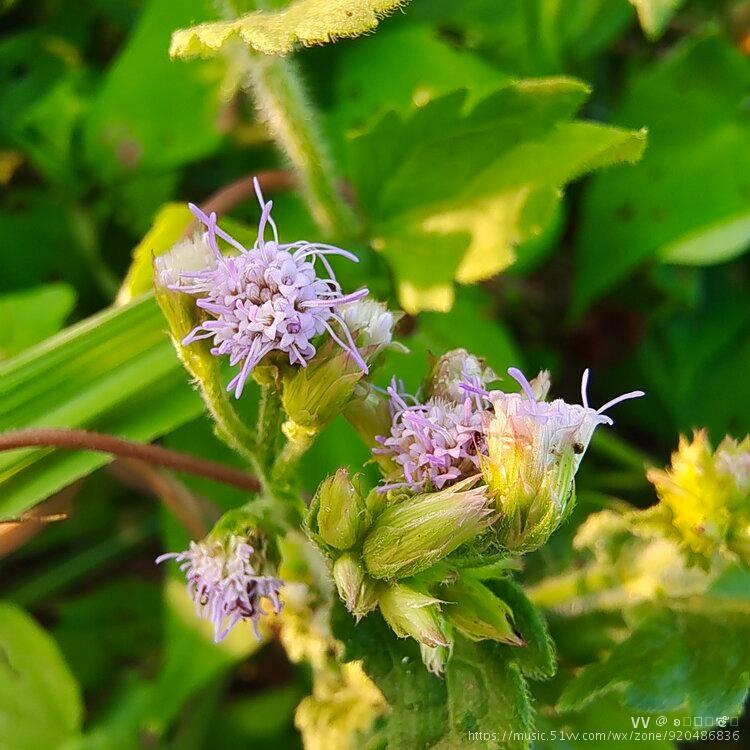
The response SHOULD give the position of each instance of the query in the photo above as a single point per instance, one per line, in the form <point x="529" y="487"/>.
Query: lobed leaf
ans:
<point x="305" y="22"/>
<point x="452" y="190"/>
<point x="696" y="663"/>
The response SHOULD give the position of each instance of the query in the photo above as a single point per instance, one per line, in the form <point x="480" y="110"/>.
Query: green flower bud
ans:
<point x="356" y="589"/>
<point x="413" y="614"/>
<point x="475" y="610"/>
<point x="452" y="369"/>
<point x="341" y="510"/>
<point x="315" y="394"/>
<point x="180" y="310"/>
<point x="435" y="658"/>
<point x="417" y="532"/>
<point x="370" y="415"/>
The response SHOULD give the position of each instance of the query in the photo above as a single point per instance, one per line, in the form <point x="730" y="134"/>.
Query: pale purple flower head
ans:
<point x="268" y="297"/>
<point x="224" y="583"/>
<point x="435" y="443"/>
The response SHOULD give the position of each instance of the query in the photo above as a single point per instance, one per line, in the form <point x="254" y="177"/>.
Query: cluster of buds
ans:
<point x="399" y="554"/>
<point x="707" y="496"/>
<point x="229" y="575"/>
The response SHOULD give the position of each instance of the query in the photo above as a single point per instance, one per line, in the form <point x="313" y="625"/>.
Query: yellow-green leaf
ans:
<point x="170" y="223"/>
<point x="654" y="15"/>
<point x="304" y="22"/>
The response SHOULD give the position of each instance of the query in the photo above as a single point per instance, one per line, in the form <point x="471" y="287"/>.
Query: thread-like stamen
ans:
<point x="520" y="378"/>
<point x="619" y="399"/>
<point x="585" y="388"/>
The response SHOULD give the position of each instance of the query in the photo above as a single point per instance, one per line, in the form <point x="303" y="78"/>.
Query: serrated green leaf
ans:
<point x="487" y="695"/>
<point x="482" y="689"/>
<point x="418" y="716"/>
<point x="693" y="105"/>
<point x="32" y="315"/>
<point x="115" y="372"/>
<point x="452" y="190"/>
<point x="40" y="702"/>
<point x="654" y="15"/>
<point x="303" y="22"/>
<point x="435" y="68"/>
<point x="699" y="664"/>
<point x="536" y="658"/>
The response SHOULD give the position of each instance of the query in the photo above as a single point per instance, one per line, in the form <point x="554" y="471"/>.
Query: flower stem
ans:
<point x="270" y="417"/>
<point x="299" y="439"/>
<point x="122" y="448"/>
<point x="293" y="121"/>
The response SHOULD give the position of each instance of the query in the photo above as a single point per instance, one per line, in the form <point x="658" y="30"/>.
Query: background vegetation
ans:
<point x="503" y="223"/>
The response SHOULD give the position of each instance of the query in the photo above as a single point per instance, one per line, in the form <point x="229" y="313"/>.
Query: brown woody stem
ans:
<point x="122" y="448"/>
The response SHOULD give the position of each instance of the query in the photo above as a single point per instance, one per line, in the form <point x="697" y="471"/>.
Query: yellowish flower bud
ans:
<point x="340" y="510"/>
<point x="475" y="610"/>
<point x="356" y="589"/>
<point x="411" y="613"/>
<point x="415" y="533"/>
<point x="708" y="495"/>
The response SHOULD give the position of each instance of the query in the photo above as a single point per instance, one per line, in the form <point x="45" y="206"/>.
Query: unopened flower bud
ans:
<point x="534" y="449"/>
<point x="414" y="534"/>
<point x="371" y="323"/>
<point x="315" y="394"/>
<point x="454" y="370"/>
<point x="475" y="610"/>
<point x="340" y="510"/>
<point x="411" y="613"/>
<point x="356" y="589"/>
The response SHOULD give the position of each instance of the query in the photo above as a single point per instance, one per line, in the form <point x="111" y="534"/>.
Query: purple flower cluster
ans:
<point x="443" y="440"/>
<point x="223" y="583"/>
<point x="434" y="443"/>
<point x="269" y="297"/>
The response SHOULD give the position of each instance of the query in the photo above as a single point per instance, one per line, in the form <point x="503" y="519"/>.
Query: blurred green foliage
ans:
<point x="462" y="130"/>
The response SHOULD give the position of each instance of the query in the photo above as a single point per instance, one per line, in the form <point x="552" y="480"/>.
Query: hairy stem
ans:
<point x="292" y="120"/>
<point x="154" y="455"/>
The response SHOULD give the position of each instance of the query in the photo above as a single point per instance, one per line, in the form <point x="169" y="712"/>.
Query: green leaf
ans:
<point x="530" y="37"/>
<point x="697" y="664"/>
<point x="536" y="659"/>
<point x="32" y="315"/>
<point x="695" y="352"/>
<point x="487" y="694"/>
<point x="40" y="703"/>
<point x="605" y="724"/>
<point x="693" y="105"/>
<point x="150" y="113"/>
<point x="105" y="629"/>
<point x="654" y="15"/>
<point x="435" y="68"/>
<point x="303" y="22"/>
<point x="451" y="190"/>
<point x="115" y="372"/>
<point x="481" y="691"/>
<point x="168" y="226"/>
